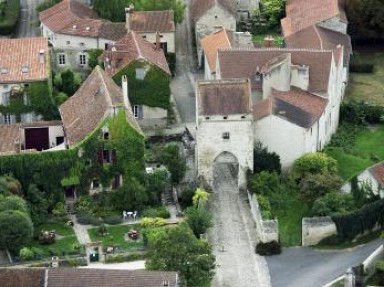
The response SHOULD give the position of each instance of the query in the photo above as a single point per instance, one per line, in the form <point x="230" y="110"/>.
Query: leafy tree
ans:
<point x="38" y="204"/>
<point x="10" y="185"/>
<point x="333" y="203"/>
<point x="93" y="60"/>
<point x="265" y="183"/>
<point x="16" y="230"/>
<point x="175" y="162"/>
<point x="156" y="183"/>
<point x="200" y="197"/>
<point x="177" y="249"/>
<point x="13" y="203"/>
<point x="178" y="6"/>
<point x="313" y="163"/>
<point x="132" y="195"/>
<point x="67" y="81"/>
<point x="199" y="220"/>
<point x="273" y="11"/>
<point x="46" y="4"/>
<point x="313" y="186"/>
<point x="264" y="160"/>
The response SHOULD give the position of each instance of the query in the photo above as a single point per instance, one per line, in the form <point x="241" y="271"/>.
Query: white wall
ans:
<point x="367" y="177"/>
<point x="278" y="77"/>
<point x="168" y="38"/>
<point x="210" y="144"/>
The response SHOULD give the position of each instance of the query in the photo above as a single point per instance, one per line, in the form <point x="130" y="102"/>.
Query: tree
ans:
<point x="177" y="6"/>
<point x="156" y="183"/>
<point x="314" y="186"/>
<point x="273" y="11"/>
<point x="264" y="160"/>
<point x="38" y="204"/>
<point x="265" y="183"/>
<point x="200" y="197"/>
<point x="175" y="162"/>
<point x="199" y="220"/>
<point x="333" y="203"/>
<point x="67" y="81"/>
<point x="16" y="230"/>
<point x="13" y="203"/>
<point x="313" y="163"/>
<point x="93" y="60"/>
<point x="46" y="4"/>
<point x="177" y="249"/>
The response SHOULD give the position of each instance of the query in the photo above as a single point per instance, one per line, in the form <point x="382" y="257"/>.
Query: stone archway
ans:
<point x="225" y="170"/>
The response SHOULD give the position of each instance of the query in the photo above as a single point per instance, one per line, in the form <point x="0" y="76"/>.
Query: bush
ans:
<point x="345" y="137"/>
<point x="113" y="220"/>
<point x="358" y="113"/>
<point x="171" y="59"/>
<point x="264" y="160"/>
<point x="185" y="198"/>
<point x="31" y="253"/>
<point x="124" y="257"/>
<point x="199" y="220"/>
<point x="265" y="207"/>
<point x="333" y="203"/>
<point x="313" y="163"/>
<point x="153" y="222"/>
<point x="160" y="211"/>
<point x="102" y="230"/>
<point x="268" y="248"/>
<point x="85" y="218"/>
<point x="331" y="240"/>
<point x="264" y="183"/>
<point x="12" y="14"/>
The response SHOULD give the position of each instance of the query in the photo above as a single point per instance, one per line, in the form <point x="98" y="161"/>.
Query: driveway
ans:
<point x="233" y="238"/>
<point x="304" y="266"/>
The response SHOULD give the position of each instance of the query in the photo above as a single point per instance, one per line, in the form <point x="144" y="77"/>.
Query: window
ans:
<point x="225" y="136"/>
<point x="82" y="59"/>
<point x="225" y="118"/>
<point x="106" y="156"/>
<point x="144" y="36"/>
<point x="135" y="110"/>
<point x="68" y="42"/>
<point x="140" y="73"/>
<point x="7" y="119"/>
<point x="95" y="183"/>
<point x="62" y="59"/>
<point x="106" y="136"/>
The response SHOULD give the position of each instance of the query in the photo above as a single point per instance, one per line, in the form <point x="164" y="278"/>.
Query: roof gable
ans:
<point x="211" y="43"/>
<point x="130" y="48"/>
<point x="200" y="7"/>
<point x="152" y="21"/>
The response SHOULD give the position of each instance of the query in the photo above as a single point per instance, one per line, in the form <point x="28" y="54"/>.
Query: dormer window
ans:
<point x="4" y="70"/>
<point x="25" y="69"/>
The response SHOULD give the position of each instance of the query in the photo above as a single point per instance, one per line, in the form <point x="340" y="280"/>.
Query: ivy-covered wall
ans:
<point x="78" y="166"/>
<point x="153" y="91"/>
<point x="39" y="101"/>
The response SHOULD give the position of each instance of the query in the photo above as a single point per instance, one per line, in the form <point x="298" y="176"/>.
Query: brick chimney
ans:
<point x="42" y="56"/>
<point x="269" y="41"/>
<point x="128" y="12"/>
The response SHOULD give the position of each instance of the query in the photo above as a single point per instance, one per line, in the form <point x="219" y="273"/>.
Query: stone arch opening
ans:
<point x="226" y="171"/>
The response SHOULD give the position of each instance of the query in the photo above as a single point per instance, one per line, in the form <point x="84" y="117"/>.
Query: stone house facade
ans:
<point x="209" y="16"/>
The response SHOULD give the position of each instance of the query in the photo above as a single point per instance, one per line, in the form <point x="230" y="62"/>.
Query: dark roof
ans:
<point x="199" y="7"/>
<point x="130" y="48"/>
<point x="317" y="37"/>
<point x="152" y="21"/>
<point x="378" y="173"/>
<point x="21" y="277"/>
<point x="296" y="106"/>
<point x="91" y="104"/>
<point x="75" y="277"/>
<point x="244" y="62"/>
<point x="224" y="97"/>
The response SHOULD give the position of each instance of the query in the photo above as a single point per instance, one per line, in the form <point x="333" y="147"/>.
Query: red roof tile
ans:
<point x="152" y="21"/>
<point x="9" y="135"/>
<point x="90" y="105"/>
<point x="199" y="7"/>
<point x="211" y="43"/>
<point x="20" y="60"/>
<point x="304" y="13"/>
<point x="242" y="62"/>
<point x="130" y="48"/>
<point x="224" y="97"/>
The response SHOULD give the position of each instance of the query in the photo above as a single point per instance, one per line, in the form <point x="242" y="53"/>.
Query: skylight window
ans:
<point x="4" y="70"/>
<point x="25" y="69"/>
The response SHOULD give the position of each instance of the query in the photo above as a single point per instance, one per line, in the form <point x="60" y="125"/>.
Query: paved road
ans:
<point x="233" y="238"/>
<point x="303" y="266"/>
<point x="28" y="23"/>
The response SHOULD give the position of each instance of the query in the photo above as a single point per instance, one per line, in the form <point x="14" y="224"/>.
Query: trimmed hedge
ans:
<point x="8" y="23"/>
<point x="113" y="220"/>
<point x="268" y="248"/>
<point x="156" y="212"/>
<point x="84" y="218"/>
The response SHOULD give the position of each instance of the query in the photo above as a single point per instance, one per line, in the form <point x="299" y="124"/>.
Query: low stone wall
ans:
<point x="315" y="229"/>
<point x="267" y="230"/>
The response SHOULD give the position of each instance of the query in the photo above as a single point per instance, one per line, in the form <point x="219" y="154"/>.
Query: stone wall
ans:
<point x="267" y="230"/>
<point x="315" y="229"/>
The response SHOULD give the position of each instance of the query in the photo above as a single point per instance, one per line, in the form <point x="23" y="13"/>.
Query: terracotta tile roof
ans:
<point x="243" y="62"/>
<point x="304" y="13"/>
<point x="20" y="60"/>
<point x="9" y="134"/>
<point x="199" y="7"/>
<point x="130" y="48"/>
<point x="21" y="277"/>
<point x="378" y="173"/>
<point x="75" y="18"/>
<point x="152" y="21"/>
<point x="296" y="106"/>
<point x="317" y="37"/>
<point x="90" y="105"/>
<point x="211" y="43"/>
<point x="223" y="97"/>
<point x="75" y="277"/>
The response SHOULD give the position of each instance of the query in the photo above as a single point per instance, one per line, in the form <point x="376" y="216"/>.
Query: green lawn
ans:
<point x="279" y="40"/>
<point x="289" y="209"/>
<point x="368" y="150"/>
<point x="65" y="243"/>
<point x="367" y="87"/>
<point x="116" y="233"/>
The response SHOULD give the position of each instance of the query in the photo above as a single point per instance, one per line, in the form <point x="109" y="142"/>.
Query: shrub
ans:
<point x="171" y="59"/>
<point x="185" y="198"/>
<point x="160" y="211"/>
<point x="102" y="230"/>
<point x="345" y="137"/>
<point x="199" y="220"/>
<point x="264" y="183"/>
<point x="268" y="248"/>
<point x="113" y="220"/>
<point x="264" y="160"/>
<point x="265" y="207"/>
<point x="74" y="262"/>
<point x="313" y="163"/>
<point x="124" y="257"/>
<point x="85" y="218"/>
<point x="153" y="222"/>
<point x="333" y="203"/>
<point x="12" y="14"/>
<point x="31" y="253"/>
<point x="331" y="240"/>
<point x="174" y="160"/>
<point x="365" y="68"/>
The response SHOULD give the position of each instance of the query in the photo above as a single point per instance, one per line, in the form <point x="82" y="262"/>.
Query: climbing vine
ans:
<point x="153" y="90"/>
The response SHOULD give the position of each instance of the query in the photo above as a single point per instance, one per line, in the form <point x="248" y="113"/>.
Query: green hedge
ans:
<point x="361" y="68"/>
<point x="360" y="221"/>
<point x="9" y="21"/>
<point x="268" y="248"/>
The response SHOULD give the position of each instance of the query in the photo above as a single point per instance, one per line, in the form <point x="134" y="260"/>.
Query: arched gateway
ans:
<point x="225" y="169"/>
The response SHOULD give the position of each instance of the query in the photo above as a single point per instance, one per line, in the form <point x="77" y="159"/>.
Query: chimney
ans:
<point x="128" y="12"/>
<point x="269" y="42"/>
<point x="41" y="56"/>
<point x="124" y="86"/>
<point x="157" y="41"/>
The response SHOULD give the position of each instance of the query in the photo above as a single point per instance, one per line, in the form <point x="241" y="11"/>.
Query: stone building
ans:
<point x="224" y="129"/>
<point x="209" y="16"/>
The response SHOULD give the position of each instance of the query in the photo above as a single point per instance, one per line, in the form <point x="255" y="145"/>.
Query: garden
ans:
<point x="9" y="16"/>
